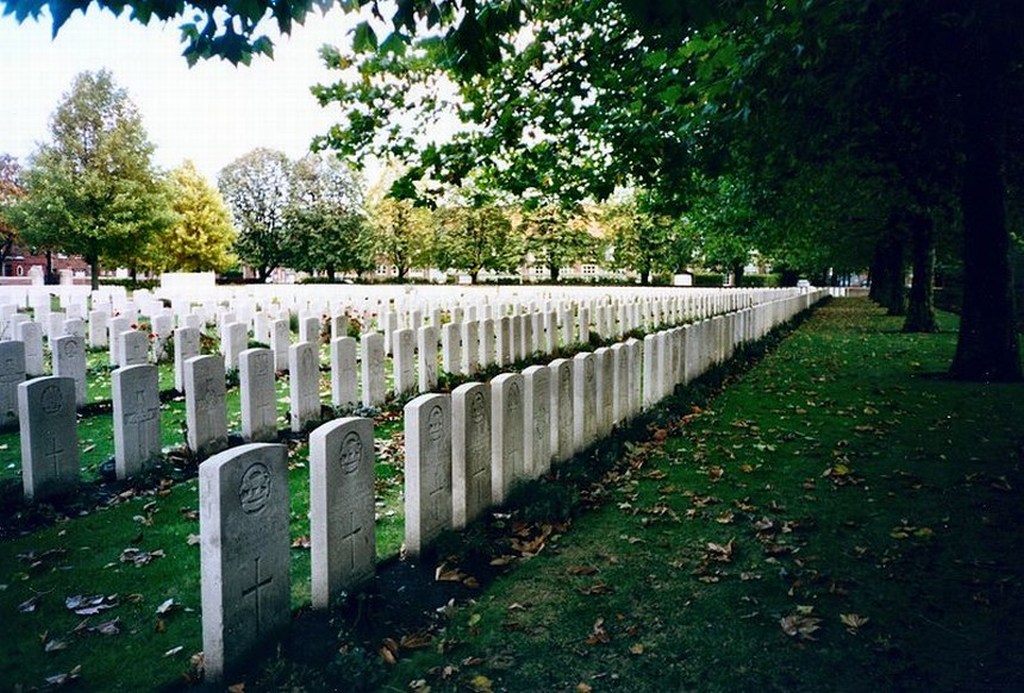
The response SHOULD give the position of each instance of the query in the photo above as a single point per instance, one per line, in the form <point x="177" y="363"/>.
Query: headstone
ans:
<point x="372" y="367"/>
<point x="605" y="406"/>
<point x="206" y="418"/>
<point x="186" y="345"/>
<point x="163" y="328"/>
<point x="450" y="348"/>
<point x="426" y="350"/>
<point x="74" y="327"/>
<point x="507" y="435"/>
<point x="470" y="347"/>
<point x="585" y="403"/>
<point x="650" y="371"/>
<point x="342" y="536"/>
<point x="471" y="452"/>
<point x="487" y="354"/>
<point x="303" y="385"/>
<point x="258" y="395"/>
<point x="428" y="470"/>
<point x="69" y="360"/>
<point x="12" y="374"/>
<point x="563" y="443"/>
<point x="235" y="340"/>
<point x="49" y="437"/>
<point x="98" y="324"/>
<point x="550" y="341"/>
<point x="404" y="345"/>
<point x="133" y="348"/>
<point x="344" y="376"/>
<point x="537" y="420"/>
<point x="309" y="329"/>
<point x="116" y="326"/>
<point x="339" y="326"/>
<point x="31" y="335"/>
<point x="136" y="394"/>
<point x="620" y="383"/>
<point x="245" y="562"/>
<point x="280" y="341"/>
<point x="504" y="340"/>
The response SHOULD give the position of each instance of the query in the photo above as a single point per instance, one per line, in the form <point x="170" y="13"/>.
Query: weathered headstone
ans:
<point x="49" y="437"/>
<point x="344" y="376"/>
<point x="116" y="326"/>
<point x="133" y="348"/>
<point x="235" y="340"/>
<point x="404" y="345"/>
<point x="341" y="508"/>
<point x="303" y="385"/>
<point x="650" y="371"/>
<point x="339" y="326"/>
<point x="620" y="383"/>
<point x="537" y="420"/>
<point x="428" y="470"/>
<point x="603" y="378"/>
<point x="372" y="367"/>
<point x="206" y="418"/>
<point x="244" y="556"/>
<point x="98" y="323"/>
<point x="470" y="347"/>
<point x="309" y="329"/>
<point x="487" y="354"/>
<point x="504" y="340"/>
<point x="163" y="328"/>
<point x="12" y="374"/>
<point x="450" y="348"/>
<point x="280" y="340"/>
<point x="74" y="327"/>
<point x="258" y="395"/>
<point x="507" y="435"/>
<point x="563" y="443"/>
<point x="186" y="345"/>
<point x="471" y="452"/>
<point x="426" y="358"/>
<point x="69" y="360"/>
<point x="30" y="333"/>
<point x="585" y="402"/>
<point x="136" y="394"/>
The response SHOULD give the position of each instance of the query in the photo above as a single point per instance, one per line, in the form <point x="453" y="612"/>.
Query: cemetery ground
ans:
<point x="838" y="516"/>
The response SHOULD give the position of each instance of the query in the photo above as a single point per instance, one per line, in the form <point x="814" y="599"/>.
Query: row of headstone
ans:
<point x="464" y="453"/>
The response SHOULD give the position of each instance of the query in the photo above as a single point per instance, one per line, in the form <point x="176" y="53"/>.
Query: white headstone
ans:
<point x="309" y="329"/>
<point x="428" y="470"/>
<point x="426" y="359"/>
<point x="303" y="385"/>
<point x="344" y="375"/>
<point x="280" y="341"/>
<point x="133" y="348"/>
<point x="537" y="420"/>
<point x="507" y="435"/>
<point x="31" y="335"/>
<point x="98" y="324"/>
<point x="136" y="394"/>
<point x="585" y="403"/>
<point x="563" y="441"/>
<point x="69" y="360"/>
<point x="244" y="554"/>
<point x="404" y="345"/>
<point x="258" y="395"/>
<point x="186" y="345"/>
<point x="471" y="452"/>
<point x="372" y="367"/>
<point x="235" y="340"/>
<point x="116" y="326"/>
<point x="470" y="347"/>
<point x="206" y="418"/>
<point x="12" y="374"/>
<point x="49" y="437"/>
<point x="341" y="508"/>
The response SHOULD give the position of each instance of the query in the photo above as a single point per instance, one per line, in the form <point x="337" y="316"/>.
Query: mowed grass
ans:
<point x="840" y="517"/>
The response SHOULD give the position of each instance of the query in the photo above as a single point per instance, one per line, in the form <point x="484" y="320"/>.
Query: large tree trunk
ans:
<point x="887" y="273"/>
<point x="553" y="269"/>
<point x="921" y="308"/>
<point x="94" y="272"/>
<point x="987" y="348"/>
<point x="737" y="274"/>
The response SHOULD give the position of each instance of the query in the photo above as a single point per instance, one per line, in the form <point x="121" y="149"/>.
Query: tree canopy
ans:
<point x="202" y="237"/>
<point x="93" y="190"/>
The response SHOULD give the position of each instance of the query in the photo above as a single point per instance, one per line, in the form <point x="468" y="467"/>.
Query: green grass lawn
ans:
<point x="840" y="518"/>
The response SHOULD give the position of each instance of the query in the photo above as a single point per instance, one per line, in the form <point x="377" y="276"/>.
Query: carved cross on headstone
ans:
<point x="254" y="590"/>
<point x="139" y="418"/>
<point x="54" y="454"/>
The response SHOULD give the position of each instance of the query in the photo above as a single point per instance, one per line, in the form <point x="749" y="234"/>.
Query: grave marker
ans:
<point x="428" y="470"/>
<point x="258" y="395"/>
<point x="471" y="452"/>
<point x="136" y="394"/>
<point x="206" y="418"/>
<point x="49" y="437"/>
<point x="507" y="435"/>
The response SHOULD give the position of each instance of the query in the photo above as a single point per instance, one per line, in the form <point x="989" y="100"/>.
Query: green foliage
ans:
<point x="472" y="236"/>
<point x="555" y="239"/>
<point x="644" y="240"/>
<point x="709" y="280"/>
<point x="256" y="187"/>
<point x="92" y="190"/>
<point x="402" y="234"/>
<point x="327" y="227"/>
<point x="761" y="280"/>
<point x="203" y="236"/>
<point x="10" y="191"/>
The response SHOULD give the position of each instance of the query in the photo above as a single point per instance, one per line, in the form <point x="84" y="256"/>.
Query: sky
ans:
<point x="211" y="113"/>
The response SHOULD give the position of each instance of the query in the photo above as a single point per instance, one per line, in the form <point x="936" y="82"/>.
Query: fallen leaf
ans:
<point x="637" y="649"/>
<point x="581" y="570"/>
<point x="853" y="622"/>
<point x="30" y="605"/>
<point x="167" y="606"/>
<point x="481" y="684"/>
<point x="599" y="588"/>
<point x="55" y="645"/>
<point x="94" y="604"/>
<point x="800" y="624"/>
<point x="175" y="650"/>
<point x="598" y="635"/>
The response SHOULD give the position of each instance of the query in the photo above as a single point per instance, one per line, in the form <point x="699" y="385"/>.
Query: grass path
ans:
<point x="840" y="518"/>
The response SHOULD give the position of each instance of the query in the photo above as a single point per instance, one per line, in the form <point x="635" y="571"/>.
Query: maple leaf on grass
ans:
<point x="801" y="624"/>
<point x="853" y="622"/>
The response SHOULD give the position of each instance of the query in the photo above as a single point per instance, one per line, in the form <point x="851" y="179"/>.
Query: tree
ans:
<point x="93" y="190"/>
<point x="644" y="240"/>
<point x="556" y="239"/>
<point x="202" y="237"/>
<point x="10" y="192"/>
<point x="256" y="187"/>
<point x="401" y="234"/>
<point x="327" y="227"/>
<point x="474" y="234"/>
